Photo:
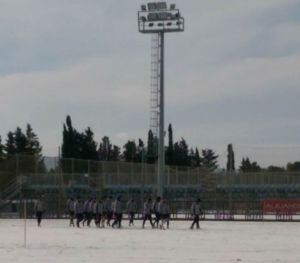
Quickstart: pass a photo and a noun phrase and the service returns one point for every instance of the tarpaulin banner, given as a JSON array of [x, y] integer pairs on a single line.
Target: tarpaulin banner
[[279, 206]]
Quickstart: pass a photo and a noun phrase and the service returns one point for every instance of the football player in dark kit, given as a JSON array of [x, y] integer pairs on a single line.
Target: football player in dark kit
[[108, 208], [155, 210], [164, 211], [131, 209], [147, 212], [79, 212], [98, 212], [71, 210], [168, 215], [104, 212], [90, 212], [196, 211], [117, 212], [86, 212], [39, 210]]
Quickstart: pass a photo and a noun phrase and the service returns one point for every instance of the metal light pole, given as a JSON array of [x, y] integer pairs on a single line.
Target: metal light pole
[[143, 175], [158, 18], [161, 140]]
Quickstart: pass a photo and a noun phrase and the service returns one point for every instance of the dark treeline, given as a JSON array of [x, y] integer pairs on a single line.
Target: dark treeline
[[83, 145], [19, 142], [249, 166]]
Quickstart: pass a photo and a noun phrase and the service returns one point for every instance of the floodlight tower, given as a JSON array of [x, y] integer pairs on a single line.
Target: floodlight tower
[[157, 19]]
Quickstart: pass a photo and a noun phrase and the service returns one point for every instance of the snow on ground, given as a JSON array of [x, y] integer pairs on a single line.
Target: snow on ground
[[215, 242]]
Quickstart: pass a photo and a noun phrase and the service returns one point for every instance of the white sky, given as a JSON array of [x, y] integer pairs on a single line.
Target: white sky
[[231, 77]]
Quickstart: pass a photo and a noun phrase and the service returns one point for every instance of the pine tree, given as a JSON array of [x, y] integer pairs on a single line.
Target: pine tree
[[10, 146], [248, 166], [130, 152], [181, 153], [245, 165], [293, 167], [115, 154], [2, 156], [192, 158], [210, 159], [195, 159], [88, 146], [198, 159], [105, 149], [275, 169], [71, 140], [20, 141], [33, 146]]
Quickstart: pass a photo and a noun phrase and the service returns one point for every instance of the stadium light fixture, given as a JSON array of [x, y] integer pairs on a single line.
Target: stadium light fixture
[[152, 16], [160, 13], [152, 6], [161, 6], [163, 16]]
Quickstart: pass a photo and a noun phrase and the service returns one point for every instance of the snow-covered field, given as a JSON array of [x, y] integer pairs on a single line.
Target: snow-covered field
[[215, 242]]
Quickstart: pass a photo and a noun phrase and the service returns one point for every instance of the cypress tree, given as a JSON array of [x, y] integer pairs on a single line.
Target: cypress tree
[[230, 159], [151, 148], [170, 148], [141, 151]]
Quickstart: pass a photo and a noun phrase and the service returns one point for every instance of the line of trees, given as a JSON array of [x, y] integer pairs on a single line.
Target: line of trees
[[19, 142], [249, 166], [82, 145]]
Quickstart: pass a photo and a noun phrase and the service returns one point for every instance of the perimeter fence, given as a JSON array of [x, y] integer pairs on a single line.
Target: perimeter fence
[[223, 194]]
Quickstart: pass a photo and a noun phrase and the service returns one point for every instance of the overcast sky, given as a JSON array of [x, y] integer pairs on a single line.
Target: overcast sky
[[232, 77]]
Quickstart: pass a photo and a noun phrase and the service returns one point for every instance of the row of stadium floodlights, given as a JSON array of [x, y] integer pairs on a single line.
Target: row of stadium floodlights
[[159, 12]]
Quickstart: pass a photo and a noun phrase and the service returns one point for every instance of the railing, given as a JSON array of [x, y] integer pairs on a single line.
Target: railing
[[11, 190], [134, 173]]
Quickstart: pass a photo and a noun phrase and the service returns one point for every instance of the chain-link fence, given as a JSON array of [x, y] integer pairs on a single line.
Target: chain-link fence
[[29, 177]]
